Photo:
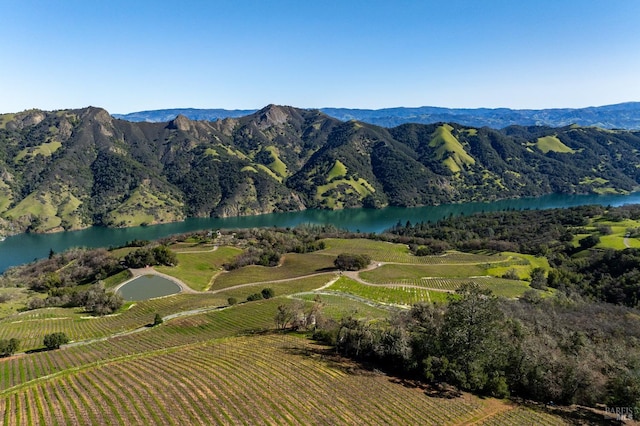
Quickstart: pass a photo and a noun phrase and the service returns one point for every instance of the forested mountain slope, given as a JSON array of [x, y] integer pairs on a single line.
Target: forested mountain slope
[[76, 168]]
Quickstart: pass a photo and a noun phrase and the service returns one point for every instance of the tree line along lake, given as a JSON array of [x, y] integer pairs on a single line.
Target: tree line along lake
[[23, 248]]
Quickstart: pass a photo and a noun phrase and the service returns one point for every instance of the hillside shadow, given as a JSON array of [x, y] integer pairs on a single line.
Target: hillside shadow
[[328, 356], [326, 269]]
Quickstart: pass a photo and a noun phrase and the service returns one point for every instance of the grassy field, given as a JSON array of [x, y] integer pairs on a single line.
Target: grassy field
[[293, 265], [616, 238], [46, 150], [337, 171], [552, 143], [15, 299], [277, 165], [385, 273], [522, 264], [116, 279], [198, 266]]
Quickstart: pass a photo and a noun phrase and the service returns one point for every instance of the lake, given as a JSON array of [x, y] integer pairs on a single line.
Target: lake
[[147, 287], [19, 249]]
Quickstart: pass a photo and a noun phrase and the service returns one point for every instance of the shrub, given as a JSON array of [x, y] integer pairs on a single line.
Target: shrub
[[254, 296], [232, 301], [511, 274], [36, 303]]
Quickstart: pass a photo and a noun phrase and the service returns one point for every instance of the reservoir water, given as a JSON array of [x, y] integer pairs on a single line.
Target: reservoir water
[[19, 249], [147, 287]]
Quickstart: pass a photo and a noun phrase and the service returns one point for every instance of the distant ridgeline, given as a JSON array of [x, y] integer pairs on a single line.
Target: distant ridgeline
[[618, 116], [71, 169]]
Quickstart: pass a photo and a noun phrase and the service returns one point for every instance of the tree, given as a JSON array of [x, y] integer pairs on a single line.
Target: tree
[[538, 279], [9, 347], [471, 338], [267, 293], [512, 274], [351, 262], [589, 241], [283, 317], [157, 320], [55, 340], [163, 256], [232, 301]]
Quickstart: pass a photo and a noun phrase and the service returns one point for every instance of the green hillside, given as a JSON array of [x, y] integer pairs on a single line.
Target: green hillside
[[552, 143], [71, 169], [449, 150]]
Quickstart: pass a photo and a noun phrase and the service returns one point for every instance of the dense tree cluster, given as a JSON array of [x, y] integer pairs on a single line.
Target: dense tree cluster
[[151, 256], [95, 299], [71, 268], [266, 246], [603, 275], [558, 349], [527, 231], [609, 275]]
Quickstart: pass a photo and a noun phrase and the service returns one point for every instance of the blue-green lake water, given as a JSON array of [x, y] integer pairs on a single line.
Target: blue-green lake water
[[147, 287], [19, 249]]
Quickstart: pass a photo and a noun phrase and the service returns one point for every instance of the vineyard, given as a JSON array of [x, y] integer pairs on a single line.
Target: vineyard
[[31, 326], [400, 295], [211, 363], [499, 286], [399, 253], [261, 379], [293, 265], [337, 305]]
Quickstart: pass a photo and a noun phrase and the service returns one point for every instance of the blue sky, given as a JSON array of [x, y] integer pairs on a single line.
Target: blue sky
[[137, 55]]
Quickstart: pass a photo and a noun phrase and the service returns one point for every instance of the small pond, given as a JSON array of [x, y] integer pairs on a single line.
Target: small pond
[[147, 287]]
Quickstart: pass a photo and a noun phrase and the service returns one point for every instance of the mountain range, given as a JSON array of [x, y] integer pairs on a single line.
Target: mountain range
[[69, 169], [619, 116]]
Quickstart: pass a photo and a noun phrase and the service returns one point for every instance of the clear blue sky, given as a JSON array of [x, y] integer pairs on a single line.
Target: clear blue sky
[[140, 54]]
